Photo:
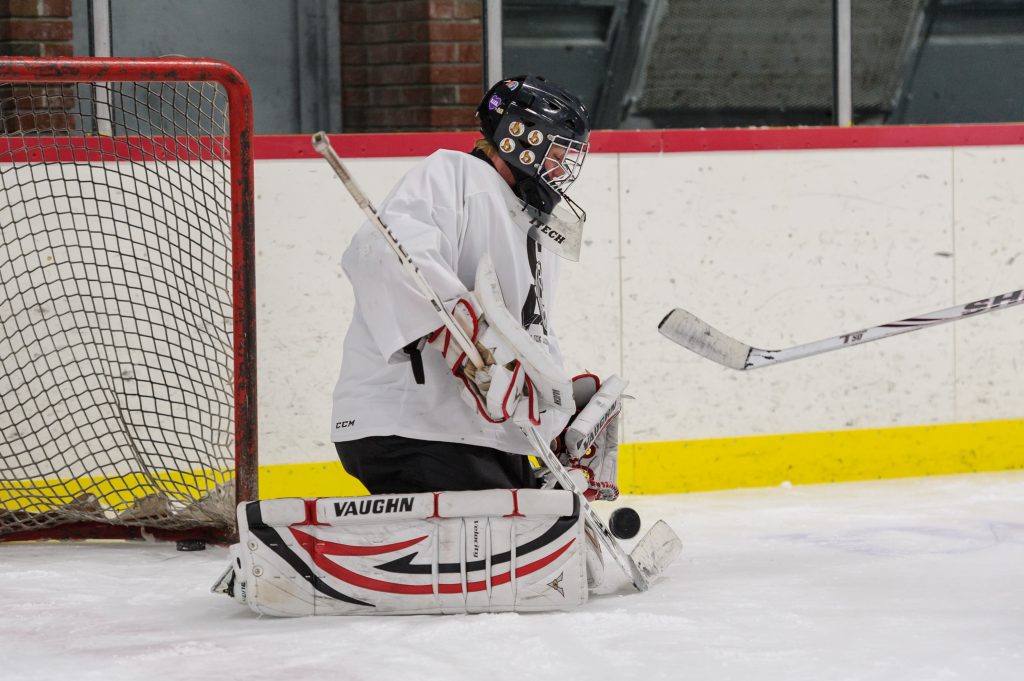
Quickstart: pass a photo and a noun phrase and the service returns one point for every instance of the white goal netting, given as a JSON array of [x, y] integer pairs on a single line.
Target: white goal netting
[[117, 377]]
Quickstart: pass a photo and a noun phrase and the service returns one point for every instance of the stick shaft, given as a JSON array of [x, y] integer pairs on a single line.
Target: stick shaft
[[949, 314], [593, 520], [692, 333], [323, 146]]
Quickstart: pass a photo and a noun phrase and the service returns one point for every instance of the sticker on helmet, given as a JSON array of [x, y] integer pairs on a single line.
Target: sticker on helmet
[[494, 102], [516, 128], [526, 158], [511, 84], [535, 137], [507, 145]]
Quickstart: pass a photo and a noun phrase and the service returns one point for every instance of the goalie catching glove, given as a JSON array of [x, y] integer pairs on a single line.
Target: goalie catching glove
[[589, 445], [518, 373]]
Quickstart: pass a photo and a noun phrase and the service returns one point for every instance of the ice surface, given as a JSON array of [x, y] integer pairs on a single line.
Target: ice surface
[[897, 580]]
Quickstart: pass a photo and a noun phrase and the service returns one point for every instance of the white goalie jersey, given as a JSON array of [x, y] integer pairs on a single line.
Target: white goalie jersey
[[448, 212]]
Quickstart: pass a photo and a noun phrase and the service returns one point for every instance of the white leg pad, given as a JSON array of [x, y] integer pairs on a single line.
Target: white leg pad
[[442, 552]]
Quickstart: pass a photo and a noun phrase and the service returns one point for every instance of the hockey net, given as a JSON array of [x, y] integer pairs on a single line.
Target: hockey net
[[127, 338]]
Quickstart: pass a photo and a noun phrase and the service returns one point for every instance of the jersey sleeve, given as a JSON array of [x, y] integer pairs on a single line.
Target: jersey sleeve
[[426, 223]]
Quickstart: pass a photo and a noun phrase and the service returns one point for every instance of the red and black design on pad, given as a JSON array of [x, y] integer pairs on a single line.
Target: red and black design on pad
[[365, 582], [269, 536], [405, 565], [319, 552]]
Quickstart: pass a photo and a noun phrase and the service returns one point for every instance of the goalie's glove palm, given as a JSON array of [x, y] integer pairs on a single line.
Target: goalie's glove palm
[[495, 390]]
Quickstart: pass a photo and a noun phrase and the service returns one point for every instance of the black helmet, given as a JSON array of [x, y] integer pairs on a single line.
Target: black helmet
[[540, 130]]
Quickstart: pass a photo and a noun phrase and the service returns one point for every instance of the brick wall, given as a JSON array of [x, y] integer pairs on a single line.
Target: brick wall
[[411, 65], [35, 28]]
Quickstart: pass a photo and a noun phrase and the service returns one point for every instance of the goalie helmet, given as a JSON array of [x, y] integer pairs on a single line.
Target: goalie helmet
[[540, 130]]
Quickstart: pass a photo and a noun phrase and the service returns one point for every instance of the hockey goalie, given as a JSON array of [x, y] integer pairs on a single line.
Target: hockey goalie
[[459, 519]]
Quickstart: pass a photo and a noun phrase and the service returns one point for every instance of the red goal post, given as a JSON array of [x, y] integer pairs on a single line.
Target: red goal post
[[127, 298]]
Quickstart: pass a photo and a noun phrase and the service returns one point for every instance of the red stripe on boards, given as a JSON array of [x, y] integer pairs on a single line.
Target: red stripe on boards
[[396, 145]]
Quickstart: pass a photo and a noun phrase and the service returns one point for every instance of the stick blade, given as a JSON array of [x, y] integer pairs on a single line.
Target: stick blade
[[694, 334], [658, 549]]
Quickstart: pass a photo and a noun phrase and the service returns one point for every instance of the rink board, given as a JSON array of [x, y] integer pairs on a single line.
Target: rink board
[[777, 237], [758, 461]]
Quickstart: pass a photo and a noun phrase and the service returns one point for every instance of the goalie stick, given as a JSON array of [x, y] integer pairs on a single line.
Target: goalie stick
[[694, 334], [660, 546]]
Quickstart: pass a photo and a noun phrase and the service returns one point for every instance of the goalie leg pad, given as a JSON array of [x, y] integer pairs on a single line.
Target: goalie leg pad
[[433, 553]]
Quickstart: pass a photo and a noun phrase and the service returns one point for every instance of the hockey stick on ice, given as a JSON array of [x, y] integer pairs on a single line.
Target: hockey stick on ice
[[660, 546], [694, 334]]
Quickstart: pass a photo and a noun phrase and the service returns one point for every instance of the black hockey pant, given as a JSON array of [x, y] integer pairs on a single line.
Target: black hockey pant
[[391, 464]]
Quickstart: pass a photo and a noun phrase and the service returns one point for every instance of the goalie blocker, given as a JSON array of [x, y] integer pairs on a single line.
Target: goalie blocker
[[433, 553]]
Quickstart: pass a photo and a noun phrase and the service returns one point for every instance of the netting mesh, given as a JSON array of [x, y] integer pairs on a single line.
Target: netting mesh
[[116, 361]]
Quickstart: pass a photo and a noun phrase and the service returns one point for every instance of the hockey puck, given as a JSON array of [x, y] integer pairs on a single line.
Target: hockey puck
[[191, 545], [624, 522]]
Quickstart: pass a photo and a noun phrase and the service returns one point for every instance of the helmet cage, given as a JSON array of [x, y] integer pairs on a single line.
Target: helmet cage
[[562, 163]]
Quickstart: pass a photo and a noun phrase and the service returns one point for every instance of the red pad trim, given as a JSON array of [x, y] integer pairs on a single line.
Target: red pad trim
[[311, 519], [481, 408], [515, 506], [308, 541], [531, 392], [364, 582], [472, 315], [511, 388]]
